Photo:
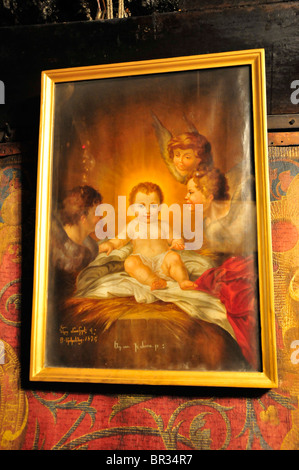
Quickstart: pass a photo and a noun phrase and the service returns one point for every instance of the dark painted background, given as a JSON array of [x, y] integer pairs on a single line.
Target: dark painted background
[[38, 35]]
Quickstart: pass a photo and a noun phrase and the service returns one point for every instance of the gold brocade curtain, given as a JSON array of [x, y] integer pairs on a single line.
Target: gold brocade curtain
[[283, 154]]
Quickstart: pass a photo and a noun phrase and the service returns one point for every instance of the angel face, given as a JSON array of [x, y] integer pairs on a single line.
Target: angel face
[[196, 196], [185, 160]]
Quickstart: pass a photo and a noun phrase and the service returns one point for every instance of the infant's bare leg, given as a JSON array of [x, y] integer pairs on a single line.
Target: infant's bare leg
[[174, 267], [142, 273]]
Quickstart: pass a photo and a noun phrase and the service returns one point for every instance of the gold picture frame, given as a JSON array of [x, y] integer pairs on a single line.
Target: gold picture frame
[[101, 126]]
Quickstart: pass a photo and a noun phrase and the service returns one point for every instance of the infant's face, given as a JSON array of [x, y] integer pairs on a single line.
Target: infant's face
[[147, 206], [185, 160]]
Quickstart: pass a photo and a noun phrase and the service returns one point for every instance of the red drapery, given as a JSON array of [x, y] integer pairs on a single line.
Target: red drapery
[[234, 284]]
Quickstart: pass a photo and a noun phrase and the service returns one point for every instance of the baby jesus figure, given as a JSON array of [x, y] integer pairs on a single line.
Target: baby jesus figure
[[154, 260]]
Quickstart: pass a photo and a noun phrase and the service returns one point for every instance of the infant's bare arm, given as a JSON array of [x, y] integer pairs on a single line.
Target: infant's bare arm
[[113, 244], [177, 244]]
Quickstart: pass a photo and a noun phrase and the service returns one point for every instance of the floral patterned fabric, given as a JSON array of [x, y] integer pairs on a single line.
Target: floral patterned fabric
[[110, 418]]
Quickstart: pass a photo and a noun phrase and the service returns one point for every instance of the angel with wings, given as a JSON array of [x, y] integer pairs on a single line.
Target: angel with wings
[[183, 153], [229, 220]]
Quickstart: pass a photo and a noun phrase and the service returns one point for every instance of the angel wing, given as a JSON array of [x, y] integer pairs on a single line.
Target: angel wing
[[191, 126], [235, 232]]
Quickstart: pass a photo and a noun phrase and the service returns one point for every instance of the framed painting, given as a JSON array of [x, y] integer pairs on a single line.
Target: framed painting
[[153, 249]]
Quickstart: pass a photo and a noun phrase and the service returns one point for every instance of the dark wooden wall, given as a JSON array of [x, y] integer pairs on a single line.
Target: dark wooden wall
[[193, 27]]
